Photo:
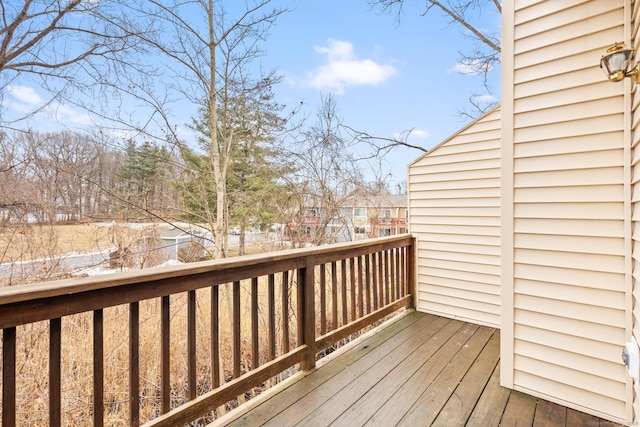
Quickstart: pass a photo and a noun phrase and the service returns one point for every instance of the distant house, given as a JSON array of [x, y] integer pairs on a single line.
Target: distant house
[[527, 219], [380, 215], [383, 215]]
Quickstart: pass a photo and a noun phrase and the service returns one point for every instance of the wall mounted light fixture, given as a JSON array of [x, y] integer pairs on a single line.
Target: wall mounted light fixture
[[615, 64]]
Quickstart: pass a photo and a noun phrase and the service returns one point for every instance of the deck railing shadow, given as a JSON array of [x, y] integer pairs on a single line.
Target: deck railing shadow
[[193, 337]]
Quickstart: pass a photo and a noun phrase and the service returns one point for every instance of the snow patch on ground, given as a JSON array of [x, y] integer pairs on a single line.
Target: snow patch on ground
[[101, 270]]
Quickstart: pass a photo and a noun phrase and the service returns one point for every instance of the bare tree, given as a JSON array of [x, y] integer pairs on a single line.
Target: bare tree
[[323, 178], [105, 181], [463, 13], [58, 44], [16, 190], [69, 159], [380, 145], [209, 55]]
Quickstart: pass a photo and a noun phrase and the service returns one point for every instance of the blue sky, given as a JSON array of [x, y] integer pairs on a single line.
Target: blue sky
[[386, 77]]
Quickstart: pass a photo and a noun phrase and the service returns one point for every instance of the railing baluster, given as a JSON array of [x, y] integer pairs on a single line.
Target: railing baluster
[[367, 281], [215, 336], [389, 274], [285, 312], [334, 295], [165, 354], [374, 280], [343, 273], [98, 368], [387, 280], [272, 316], [254, 323], [307, 312], [323, 300], [236, 329], [55, 359], [134, 364], [361, 287], [381, 279], [300, 306], [398, 268], [9, 377], [352, 274], [191, 345], [403, 276]]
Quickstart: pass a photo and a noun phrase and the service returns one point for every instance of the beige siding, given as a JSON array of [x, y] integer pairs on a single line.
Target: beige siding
[[565, 244], [635, 200], [454, 201]]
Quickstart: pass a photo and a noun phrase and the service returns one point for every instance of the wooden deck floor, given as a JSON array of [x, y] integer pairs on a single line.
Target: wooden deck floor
[[421, 370]]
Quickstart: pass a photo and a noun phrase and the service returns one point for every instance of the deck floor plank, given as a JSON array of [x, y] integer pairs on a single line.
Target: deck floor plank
[[420, 370], [425, 410], [292, 395], [460, 405], [342, 394], [491, 404], [519, 411], [398, 386], [400, 399], [549, 414], [577, 418]]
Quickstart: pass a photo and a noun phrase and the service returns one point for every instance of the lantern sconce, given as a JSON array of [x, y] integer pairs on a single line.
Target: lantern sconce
[[615, 64]]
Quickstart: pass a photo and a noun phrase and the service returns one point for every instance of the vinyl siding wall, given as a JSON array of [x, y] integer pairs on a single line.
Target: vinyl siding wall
[[454, 202], [566, 215], [635, 200]]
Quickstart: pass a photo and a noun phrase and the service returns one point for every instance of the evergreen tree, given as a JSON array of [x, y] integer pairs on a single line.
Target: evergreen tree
[[253, 189], [143, 174], [248, 123]]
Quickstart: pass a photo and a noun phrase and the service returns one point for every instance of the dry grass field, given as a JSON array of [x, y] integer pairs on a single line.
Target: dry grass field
[[49, 243], [31, 241]]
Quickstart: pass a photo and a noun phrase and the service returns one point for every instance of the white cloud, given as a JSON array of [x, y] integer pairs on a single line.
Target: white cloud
[[25, 94], [66, 115], [26, 101], [470, 68], [485, 99], [411, 134], [418, 133], [344, 69]]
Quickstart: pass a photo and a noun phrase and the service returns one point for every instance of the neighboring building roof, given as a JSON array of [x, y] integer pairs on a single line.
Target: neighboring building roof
[[396, 201], [382, 201], [375, 201]]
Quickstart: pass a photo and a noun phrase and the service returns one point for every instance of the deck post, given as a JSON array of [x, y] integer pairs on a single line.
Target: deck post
[[411, 274], [308, 314]]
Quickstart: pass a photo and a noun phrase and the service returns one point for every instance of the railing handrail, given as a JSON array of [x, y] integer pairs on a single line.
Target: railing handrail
[[236, 268], [328, 253]]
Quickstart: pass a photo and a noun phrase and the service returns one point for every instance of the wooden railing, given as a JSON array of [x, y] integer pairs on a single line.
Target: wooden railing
[[193, 337]]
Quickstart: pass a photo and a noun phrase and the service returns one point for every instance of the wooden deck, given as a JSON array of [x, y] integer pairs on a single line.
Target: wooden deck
[[421, 370]]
